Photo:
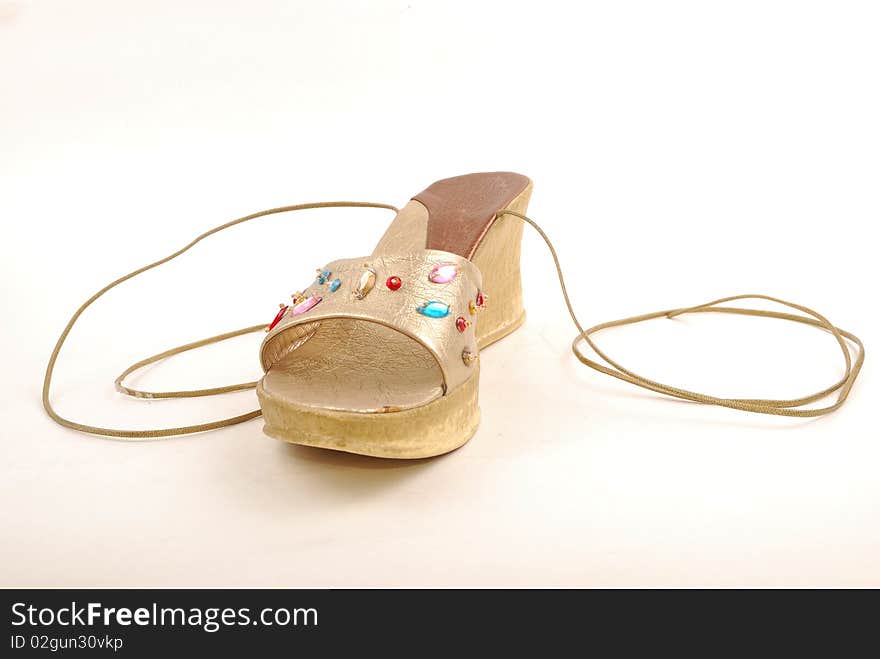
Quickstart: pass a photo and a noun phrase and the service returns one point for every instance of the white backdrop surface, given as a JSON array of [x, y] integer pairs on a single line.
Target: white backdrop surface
[[680, 151]]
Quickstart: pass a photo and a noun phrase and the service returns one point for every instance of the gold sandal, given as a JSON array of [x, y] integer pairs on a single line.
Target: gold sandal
[[379, 355]]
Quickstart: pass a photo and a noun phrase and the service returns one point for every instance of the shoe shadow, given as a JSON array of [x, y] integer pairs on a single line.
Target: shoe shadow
[[334, 475], [328, 457]]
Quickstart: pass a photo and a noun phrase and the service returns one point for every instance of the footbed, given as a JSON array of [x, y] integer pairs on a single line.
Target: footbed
[[357, 365]]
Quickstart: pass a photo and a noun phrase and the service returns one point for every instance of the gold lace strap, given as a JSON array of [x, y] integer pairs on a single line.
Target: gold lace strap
[[758, 405], [610, 367], [183, 430]]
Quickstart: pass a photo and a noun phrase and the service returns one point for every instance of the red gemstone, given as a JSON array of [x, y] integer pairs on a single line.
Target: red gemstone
[[480, 299], [461, 324], [393, 283], [278, 317]]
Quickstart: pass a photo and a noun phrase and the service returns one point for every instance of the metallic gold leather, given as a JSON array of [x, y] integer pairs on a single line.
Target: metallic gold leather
[[497, 257], [407, 233], [364, 331]]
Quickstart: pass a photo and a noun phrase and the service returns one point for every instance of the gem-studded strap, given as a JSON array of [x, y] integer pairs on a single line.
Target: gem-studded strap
[[430, 296]]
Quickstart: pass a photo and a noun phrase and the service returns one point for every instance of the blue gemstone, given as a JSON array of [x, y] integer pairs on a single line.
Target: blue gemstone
[[334, 285], [323, 276], [434, 309]]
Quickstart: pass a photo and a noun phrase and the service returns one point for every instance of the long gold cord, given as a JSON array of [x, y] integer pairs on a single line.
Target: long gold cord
[[758, 405], [199, 427], [783, 407]]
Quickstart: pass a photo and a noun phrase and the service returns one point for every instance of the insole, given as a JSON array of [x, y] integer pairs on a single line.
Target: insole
[[359, 366]]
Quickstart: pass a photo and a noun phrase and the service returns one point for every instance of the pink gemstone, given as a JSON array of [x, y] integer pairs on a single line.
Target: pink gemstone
[[305, 305], [443, 273]]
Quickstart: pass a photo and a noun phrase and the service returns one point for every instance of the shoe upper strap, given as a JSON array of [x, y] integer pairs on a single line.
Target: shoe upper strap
[[431, 296]]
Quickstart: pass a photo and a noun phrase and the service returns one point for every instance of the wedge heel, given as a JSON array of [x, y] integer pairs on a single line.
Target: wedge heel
[[498, 258]]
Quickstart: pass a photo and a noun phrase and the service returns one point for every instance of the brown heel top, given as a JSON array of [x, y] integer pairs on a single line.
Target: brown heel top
[[462, 208]]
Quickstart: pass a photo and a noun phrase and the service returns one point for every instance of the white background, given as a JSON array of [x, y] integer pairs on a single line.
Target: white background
[[681, 151]]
